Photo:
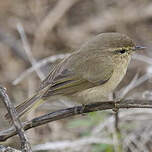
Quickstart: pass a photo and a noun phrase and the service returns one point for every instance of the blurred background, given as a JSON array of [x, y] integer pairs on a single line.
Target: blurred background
[[36, 34]]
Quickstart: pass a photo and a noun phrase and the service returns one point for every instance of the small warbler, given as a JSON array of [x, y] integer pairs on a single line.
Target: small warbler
[[88, 74]]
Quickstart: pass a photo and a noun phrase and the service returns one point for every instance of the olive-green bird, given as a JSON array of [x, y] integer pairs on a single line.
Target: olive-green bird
[[87, 75]]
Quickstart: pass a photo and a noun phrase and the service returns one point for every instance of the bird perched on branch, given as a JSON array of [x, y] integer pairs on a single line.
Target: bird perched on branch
[[88, 74]]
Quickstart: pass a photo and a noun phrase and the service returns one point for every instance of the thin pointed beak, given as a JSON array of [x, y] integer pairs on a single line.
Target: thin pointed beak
[[139, 48]]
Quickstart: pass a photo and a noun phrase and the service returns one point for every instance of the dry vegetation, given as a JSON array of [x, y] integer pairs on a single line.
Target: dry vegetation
[[36, 34]]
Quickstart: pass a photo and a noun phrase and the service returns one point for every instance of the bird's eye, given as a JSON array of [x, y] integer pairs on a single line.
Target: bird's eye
[[122, 51]]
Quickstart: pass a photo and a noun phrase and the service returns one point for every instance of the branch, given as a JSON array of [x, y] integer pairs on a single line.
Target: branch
[[13, 43], [65, 113], [52, 19], [8, 149], [37, 65], [27, 49], [25, 146]]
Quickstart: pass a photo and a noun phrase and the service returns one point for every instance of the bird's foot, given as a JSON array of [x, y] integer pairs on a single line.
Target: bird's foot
[[79, 110], [82, 110], [115, 109]]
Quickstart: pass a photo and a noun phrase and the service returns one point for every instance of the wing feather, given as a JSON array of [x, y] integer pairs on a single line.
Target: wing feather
[[72, 76]]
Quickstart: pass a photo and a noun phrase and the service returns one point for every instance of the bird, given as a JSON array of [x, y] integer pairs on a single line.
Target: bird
[[89, 74]]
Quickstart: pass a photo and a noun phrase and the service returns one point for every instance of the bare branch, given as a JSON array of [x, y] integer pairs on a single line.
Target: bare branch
[[8, 149], [27, 49], [10, 40], [61, 145], [52, 19], [25, 146], [65, 113], [39, 64]]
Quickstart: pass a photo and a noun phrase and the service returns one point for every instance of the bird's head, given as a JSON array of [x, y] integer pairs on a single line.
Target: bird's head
[[117, 46]]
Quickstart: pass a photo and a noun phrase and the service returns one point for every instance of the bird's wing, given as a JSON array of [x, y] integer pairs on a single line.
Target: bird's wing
[[75, 74]]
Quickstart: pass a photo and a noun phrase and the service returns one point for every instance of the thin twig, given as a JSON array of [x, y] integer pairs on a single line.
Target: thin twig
[[39, 64], [27, 49], [52, 19], [16, 47], [142, 58], [61, 145], [116, 134], [124, 90], [136, 82], [25, 146], [125, 116], [8, 149], [116, 115]]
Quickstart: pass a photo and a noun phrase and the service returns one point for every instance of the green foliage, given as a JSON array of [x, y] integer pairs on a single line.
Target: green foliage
[[86, 123], [102, 148], [90, 120]]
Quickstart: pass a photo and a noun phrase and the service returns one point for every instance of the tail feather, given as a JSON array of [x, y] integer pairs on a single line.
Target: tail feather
[[28, 104]]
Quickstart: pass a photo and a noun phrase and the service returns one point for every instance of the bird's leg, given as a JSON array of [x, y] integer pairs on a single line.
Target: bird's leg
[[78, 110], [82, 110], [115, 109]]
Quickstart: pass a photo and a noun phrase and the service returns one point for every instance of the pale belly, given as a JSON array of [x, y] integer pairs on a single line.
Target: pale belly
[[101, 93]]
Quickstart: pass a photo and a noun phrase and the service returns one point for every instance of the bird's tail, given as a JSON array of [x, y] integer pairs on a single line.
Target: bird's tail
[[28, 104]]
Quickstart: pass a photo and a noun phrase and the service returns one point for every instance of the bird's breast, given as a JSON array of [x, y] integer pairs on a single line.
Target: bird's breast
[[101, 93]]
